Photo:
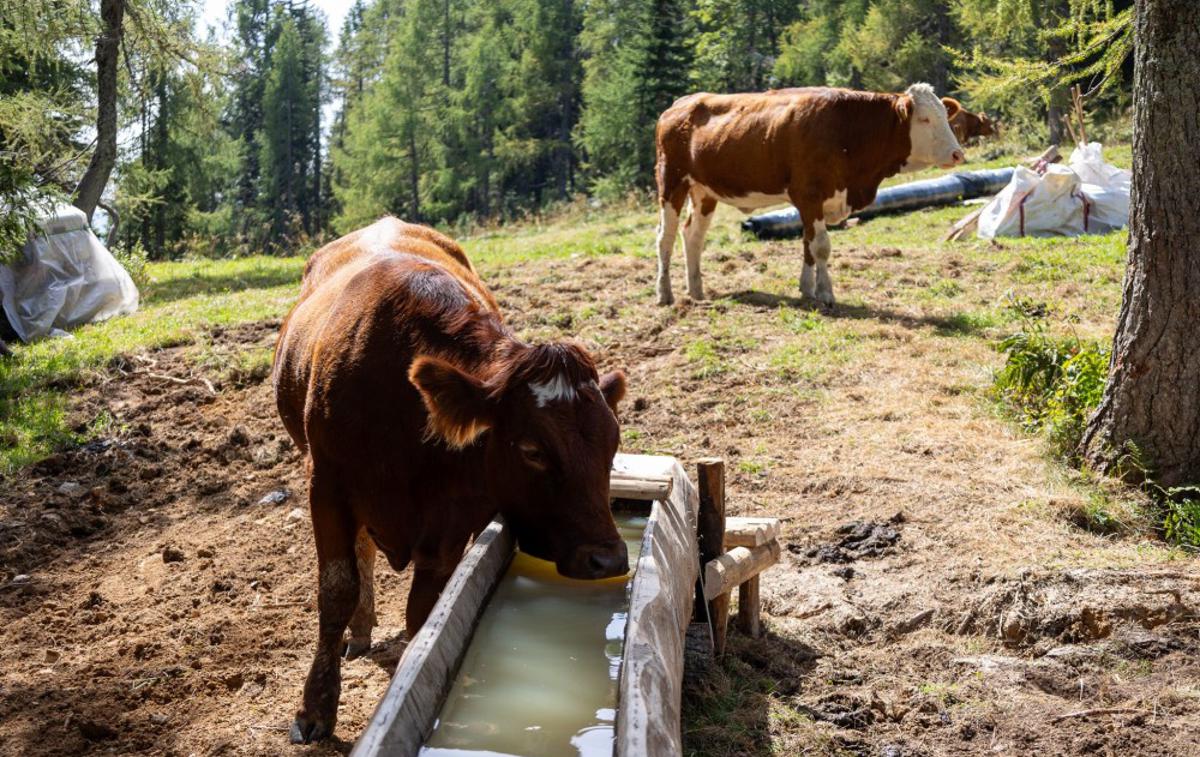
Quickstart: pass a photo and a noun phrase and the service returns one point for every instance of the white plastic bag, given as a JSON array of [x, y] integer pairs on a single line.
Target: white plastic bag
[[64, 278], [1086, 196]]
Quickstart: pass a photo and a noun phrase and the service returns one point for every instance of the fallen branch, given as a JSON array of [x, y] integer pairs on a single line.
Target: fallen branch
[[182, 381], [1100, 711]]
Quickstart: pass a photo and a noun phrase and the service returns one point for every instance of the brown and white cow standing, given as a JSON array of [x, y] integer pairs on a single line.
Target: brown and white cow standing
[[421, 416], [823, 150]]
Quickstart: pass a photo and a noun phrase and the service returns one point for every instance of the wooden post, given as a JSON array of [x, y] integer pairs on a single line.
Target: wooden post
[[748, 604], [710, 481]]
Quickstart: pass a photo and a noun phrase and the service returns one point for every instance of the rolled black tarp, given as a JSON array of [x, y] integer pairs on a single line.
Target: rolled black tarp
[[943, 190]]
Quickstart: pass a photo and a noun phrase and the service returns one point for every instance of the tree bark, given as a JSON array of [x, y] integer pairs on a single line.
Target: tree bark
[[1152, 399], [108, 50]]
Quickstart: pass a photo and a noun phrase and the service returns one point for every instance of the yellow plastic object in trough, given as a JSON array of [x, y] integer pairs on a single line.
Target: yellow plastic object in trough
[[540, 675]]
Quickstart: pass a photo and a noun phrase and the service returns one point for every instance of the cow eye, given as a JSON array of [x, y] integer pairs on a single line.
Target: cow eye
[[533, 455]]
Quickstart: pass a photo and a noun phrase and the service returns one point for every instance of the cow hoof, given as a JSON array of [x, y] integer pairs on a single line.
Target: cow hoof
[[306, 730], [666, 298], [697, 296], [808, 287], [826, 298], [356, 647]]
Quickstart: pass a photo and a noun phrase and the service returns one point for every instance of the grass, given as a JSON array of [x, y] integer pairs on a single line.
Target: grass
[[181, 302], [184, 300]]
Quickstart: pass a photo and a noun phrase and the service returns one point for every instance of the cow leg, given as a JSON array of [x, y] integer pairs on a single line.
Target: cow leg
[[427, 584], [668, 227], [808, 273], [337, 596], [694, 232], [821, 248], [358, 640]]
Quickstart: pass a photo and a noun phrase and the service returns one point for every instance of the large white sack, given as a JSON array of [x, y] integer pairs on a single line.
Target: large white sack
[[65, 277], [1086, 196]]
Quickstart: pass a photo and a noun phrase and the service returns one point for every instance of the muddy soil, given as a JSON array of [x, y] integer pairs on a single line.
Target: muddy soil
[[157, 585]]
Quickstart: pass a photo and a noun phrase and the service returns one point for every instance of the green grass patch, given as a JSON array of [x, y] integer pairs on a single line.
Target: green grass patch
[[704, 357], [182, 301]]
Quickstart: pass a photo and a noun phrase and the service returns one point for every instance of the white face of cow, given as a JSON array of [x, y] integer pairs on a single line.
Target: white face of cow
[[933, 143]]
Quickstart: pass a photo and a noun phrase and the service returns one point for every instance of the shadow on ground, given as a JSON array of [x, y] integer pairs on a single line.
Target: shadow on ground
[[951, 325], [207, 283]]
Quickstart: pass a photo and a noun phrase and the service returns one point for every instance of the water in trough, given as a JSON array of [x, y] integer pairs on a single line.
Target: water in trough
[[539, 678]]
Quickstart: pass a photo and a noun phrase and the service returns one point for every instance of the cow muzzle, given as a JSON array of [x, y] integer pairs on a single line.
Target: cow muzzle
[[957, 158], [595, 561]]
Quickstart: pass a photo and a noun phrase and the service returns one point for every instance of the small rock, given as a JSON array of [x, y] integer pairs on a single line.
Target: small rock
[[917, 621], [277, 497], [640, 404], [296, 514], [204, 552], [21, 578], [72, 489], [238, 437], [159, 719], [172, 554], [845, 572], [265, 455]]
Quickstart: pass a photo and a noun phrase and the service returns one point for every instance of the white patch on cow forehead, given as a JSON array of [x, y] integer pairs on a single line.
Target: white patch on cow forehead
[[557, 389], [923, 94]]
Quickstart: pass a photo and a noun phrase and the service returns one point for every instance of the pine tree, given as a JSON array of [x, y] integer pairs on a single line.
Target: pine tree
[[285, 108], [388, 147], [738, 42], [251, 55], [638, 66]]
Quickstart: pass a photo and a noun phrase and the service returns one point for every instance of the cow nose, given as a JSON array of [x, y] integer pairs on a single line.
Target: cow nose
[[957, 157], [609, 563]]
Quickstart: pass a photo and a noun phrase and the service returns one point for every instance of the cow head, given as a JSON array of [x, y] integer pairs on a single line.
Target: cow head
[[933, 142], [551, 436]]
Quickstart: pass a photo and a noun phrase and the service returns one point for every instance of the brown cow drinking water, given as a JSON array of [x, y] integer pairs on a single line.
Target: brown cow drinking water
[[421, 416]]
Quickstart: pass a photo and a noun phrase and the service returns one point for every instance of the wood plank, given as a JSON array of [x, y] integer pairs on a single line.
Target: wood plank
[[749, 608], [750, 532], [710, 533], [737, 566], [404, 717], [639, 488], [660, 607], [643, 466]]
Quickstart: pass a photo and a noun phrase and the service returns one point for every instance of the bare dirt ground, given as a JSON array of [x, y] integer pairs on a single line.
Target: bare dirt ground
[[933, 598]]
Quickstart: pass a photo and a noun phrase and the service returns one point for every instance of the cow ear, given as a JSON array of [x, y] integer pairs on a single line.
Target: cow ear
[[952, 106], [904, 107], [612, 386], [458, 403]]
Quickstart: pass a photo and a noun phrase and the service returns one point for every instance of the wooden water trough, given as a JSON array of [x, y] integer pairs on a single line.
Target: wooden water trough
[[682, 560]]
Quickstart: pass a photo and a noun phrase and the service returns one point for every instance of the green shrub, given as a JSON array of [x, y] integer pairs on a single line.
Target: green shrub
[[1181, 515], [134, 259], [1052, 384]]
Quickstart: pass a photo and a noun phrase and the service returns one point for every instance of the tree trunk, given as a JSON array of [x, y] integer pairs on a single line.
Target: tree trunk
[[108, 50], [1152, 399]]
